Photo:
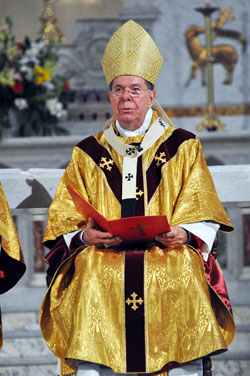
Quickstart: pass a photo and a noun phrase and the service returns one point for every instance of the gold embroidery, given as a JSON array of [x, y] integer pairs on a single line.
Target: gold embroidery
[[134, 301], [128, 44], [104, 163], [10, 240], [138, 193], [160, 159]]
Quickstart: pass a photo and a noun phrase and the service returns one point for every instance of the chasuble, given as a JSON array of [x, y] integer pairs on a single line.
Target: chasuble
[[138, 308], [12, 265]]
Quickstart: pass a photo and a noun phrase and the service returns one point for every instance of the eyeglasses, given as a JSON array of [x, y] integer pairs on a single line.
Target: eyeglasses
[[135, 92]]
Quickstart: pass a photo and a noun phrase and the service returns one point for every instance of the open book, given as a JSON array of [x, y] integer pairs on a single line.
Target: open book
[[130, 229]]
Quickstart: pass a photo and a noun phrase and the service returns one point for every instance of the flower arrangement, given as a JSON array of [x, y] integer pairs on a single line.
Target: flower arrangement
[[31, 92]]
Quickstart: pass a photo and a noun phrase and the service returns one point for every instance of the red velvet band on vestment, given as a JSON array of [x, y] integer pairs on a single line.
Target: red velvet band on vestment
[[169, 149], [140, 210], [58, 253], [11, 270], [96, 151], [135, 325], [216, 280]]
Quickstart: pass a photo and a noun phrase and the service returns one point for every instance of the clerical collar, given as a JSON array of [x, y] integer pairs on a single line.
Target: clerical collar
[[143, 128]]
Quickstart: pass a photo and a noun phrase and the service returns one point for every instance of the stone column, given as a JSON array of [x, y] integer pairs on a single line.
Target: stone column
[[235, 243]]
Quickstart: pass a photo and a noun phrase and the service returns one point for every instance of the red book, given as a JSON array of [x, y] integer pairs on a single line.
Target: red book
[[130, 229]]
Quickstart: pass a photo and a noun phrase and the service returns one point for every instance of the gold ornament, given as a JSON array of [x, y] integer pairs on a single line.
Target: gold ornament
[[50, 29], [131, 51]]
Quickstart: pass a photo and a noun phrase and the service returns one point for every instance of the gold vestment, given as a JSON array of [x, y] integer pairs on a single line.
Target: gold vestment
[[84, 313], [12, 265]]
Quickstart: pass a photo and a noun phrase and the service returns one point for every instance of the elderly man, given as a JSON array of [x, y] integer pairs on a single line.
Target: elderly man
[[12, 266], [153, 307]]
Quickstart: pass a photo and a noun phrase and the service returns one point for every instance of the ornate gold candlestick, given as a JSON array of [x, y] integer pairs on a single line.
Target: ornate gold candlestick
[[211, 121], [50, 29]]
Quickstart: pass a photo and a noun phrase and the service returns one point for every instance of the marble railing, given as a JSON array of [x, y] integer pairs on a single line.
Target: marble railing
[[30, 192]]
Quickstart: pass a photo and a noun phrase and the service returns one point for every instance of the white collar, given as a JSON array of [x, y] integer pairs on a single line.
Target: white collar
[[126, 133]]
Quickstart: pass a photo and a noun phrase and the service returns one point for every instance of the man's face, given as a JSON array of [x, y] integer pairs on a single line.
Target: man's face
[[131, 111]]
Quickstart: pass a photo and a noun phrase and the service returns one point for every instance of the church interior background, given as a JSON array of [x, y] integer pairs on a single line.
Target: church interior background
[[82, 29]]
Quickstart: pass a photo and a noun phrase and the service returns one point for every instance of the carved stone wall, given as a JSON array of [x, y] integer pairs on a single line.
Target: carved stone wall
[[82, 60]]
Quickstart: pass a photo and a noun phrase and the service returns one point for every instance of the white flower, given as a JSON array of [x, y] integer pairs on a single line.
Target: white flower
[[56, 108], [28, 72], [36, 47], [48, 85], [32, 53], [30, 58], [21, 103]]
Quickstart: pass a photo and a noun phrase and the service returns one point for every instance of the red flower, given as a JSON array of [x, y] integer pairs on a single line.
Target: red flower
[[66, 86], [19, 46], [18, 87]]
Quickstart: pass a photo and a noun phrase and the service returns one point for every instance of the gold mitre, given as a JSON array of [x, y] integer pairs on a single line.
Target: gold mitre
[[131, 51]]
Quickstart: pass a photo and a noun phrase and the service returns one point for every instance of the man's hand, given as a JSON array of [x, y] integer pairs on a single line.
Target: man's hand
[[174, 238], [93, 236]]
